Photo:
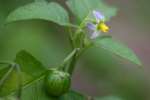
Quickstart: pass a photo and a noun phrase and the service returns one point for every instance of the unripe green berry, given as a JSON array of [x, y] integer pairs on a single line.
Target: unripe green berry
[[57, 82]]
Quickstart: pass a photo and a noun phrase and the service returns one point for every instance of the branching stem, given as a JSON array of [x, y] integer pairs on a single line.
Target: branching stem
[[67, 59]]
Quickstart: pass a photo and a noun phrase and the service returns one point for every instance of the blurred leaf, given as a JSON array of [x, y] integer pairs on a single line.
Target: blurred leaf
[[31, 69], [109, 98], [118, 49], [40, 37], [10, 82], [40, 10], [8, 98], [35, 91], [29, 64], [81, 8]]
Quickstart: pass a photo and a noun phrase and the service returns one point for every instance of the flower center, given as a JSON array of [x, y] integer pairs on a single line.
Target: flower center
[[102, 27]]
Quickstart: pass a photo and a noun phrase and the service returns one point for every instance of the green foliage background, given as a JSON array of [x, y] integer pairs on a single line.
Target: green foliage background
[[102, 74]]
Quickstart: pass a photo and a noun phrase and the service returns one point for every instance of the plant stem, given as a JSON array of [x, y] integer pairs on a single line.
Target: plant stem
[[71, 38], [19, 82], [72, 65], [84, 20], [70, 55], [73, 41], [6, 75], [66, 60], [76, 57]]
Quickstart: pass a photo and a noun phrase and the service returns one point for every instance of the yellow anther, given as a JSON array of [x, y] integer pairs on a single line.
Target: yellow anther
[[103, 27]]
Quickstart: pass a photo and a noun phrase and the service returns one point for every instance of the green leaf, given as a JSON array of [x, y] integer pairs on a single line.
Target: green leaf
[[81, 8], [40, 10], [10, 82], [31, 69], [108, 98], [29, 64], [35, 91], [118, 49], [8, 98], [72, 95]]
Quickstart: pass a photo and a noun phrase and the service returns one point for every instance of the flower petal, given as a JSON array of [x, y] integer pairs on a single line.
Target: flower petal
[[98, 15], [91, 26], [95, 34]]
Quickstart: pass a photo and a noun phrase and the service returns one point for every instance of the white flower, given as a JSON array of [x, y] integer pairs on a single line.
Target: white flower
[[99, 26]]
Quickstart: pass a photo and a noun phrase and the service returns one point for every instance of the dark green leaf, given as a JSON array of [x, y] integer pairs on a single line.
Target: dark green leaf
[[40, 10], [118, 49], [81, 8], [31, 69]]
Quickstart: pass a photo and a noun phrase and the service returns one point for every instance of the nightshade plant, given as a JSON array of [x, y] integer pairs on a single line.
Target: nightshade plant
[[28, 79]]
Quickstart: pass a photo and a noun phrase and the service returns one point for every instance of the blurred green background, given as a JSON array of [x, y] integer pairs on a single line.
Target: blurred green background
[[99, 73]]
